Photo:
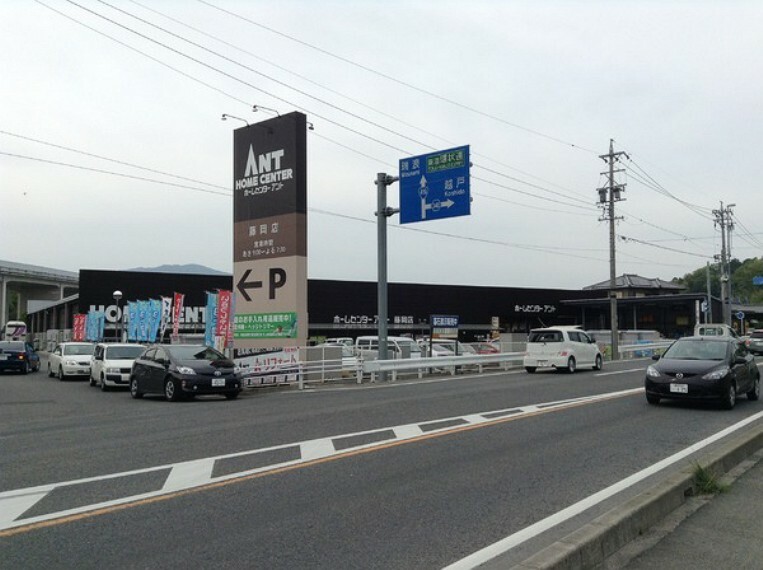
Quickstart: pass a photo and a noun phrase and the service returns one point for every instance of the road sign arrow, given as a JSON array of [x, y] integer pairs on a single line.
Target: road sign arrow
[[447, 203], [243, 285]]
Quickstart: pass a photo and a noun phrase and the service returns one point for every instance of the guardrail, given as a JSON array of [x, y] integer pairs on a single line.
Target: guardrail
[[450, 363], [645, 347]]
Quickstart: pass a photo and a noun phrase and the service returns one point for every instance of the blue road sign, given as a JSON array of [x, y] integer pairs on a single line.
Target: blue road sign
[[740, 315], [435, 186], [757, 280]]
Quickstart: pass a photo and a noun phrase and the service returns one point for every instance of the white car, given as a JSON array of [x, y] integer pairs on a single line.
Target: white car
[[70, 359], [563, 347], [111, 364]]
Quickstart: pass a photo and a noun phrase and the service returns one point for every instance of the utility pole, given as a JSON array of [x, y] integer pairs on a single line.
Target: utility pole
[[608, 195], [723, 220]]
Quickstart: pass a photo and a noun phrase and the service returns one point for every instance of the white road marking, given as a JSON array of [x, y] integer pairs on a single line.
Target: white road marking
[[641, 369], [317, 449], [16, 506], [511, 541], [189, 474]]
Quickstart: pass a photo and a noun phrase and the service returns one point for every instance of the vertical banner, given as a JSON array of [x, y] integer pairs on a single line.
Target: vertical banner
[[78, 328], [132, 321], [166, 312], [223, 318], [177, 309], [143, 321], [270, 233], [154, 318], [211, 319]]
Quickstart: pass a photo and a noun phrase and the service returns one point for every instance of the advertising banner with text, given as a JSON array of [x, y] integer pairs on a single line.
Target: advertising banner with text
[[270, 233]]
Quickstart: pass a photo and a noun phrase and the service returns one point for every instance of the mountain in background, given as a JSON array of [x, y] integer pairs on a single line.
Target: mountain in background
[[192, 268]]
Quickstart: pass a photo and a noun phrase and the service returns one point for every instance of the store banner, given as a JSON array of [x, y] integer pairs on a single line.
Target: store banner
[[78, 329], [132, 322], [143, 310], [211, 316], [177, 309], [223, 313], [166, 312], [154, 318]]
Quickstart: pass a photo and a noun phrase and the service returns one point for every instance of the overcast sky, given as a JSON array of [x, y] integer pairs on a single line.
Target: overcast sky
[[536, 88]]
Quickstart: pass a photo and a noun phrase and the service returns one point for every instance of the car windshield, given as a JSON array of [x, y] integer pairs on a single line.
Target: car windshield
[[195, 352], [123, 352], [11, 345], [696, 350], [78, 349]]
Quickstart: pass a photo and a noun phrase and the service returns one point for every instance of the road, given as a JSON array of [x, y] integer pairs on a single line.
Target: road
[[416, 474]]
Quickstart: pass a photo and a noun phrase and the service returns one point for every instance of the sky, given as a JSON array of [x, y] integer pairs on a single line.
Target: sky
[[114, 155]]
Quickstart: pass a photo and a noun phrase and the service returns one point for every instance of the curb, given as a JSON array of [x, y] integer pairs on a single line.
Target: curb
[[592, 544]]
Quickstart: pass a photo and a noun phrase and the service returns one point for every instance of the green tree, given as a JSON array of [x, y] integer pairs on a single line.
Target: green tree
[[742, 287]]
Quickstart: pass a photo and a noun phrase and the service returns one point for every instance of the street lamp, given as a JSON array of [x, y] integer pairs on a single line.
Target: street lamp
[[118, 297]]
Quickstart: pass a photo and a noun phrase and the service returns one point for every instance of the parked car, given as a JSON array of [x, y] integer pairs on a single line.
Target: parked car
[[70, 359], [564, 348], [485, 348], [755, 342], [345, 340], [703, 368], [111, 364], [367, 347], [183, 371], [19, 356]]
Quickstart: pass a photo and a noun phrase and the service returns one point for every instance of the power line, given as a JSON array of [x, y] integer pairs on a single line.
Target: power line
[[642, 242], [195, 60], [399, 81], [319, 100], [345, 96], [113, 173], [100, 157]]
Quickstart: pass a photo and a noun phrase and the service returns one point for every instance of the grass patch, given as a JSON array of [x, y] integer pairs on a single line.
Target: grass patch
[[706, 483]]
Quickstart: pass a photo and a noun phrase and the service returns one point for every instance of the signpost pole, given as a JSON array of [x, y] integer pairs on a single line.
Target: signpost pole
[[382, 213]]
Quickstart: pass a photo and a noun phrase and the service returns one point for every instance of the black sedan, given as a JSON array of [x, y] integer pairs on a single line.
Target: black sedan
[[183, 371], [19, 356], [703, 368]]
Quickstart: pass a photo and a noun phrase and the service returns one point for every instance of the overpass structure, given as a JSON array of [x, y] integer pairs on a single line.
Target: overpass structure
[[23, 283]]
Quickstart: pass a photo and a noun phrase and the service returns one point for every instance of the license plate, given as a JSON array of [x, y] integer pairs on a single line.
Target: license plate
[[543, 363], [679, 388], [218, 381]]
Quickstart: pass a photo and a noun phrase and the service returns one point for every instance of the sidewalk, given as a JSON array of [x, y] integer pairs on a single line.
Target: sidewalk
[[726, 532]]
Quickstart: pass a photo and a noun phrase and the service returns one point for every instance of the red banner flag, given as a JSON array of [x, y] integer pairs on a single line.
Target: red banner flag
[[223, 313], [177, 308], [78, 328]]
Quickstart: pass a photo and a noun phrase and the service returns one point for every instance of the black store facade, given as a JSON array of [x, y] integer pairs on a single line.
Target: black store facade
[[335, 308]]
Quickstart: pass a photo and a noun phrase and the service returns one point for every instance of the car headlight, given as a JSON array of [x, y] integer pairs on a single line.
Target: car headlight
[[112, 371], [652, 372], [71, 362], [716, 374], [186, 370]]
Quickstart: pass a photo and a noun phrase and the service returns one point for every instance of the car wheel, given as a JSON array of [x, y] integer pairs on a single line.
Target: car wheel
[[530, 369], [50, 372], [231, 395], [171, 390], [134, 392], [754, 393], [654, 400], [92, 380], [730, 397], [104, 388], [598, 363], [25, 368], [61, 373], [571, 365]]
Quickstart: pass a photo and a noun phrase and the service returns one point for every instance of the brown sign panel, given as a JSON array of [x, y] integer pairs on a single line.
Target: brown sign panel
[[270, 233]]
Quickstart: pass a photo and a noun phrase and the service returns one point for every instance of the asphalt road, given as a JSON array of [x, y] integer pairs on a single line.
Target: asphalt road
[[425, 502]]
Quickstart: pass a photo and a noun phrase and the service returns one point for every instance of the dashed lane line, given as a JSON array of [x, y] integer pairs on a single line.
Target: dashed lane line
[[187, 476]]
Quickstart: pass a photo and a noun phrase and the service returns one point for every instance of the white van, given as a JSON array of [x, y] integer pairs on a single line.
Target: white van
[[711, 329], [14, 330], [563, 347], [367, 347], [111, 364]]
